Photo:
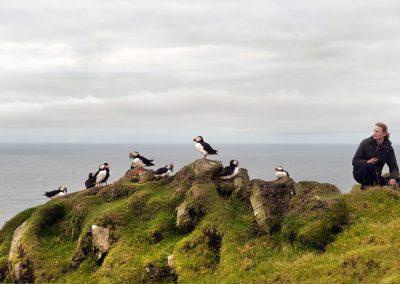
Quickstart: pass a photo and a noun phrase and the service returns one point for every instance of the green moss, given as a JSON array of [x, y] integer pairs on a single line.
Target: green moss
[[8, 229], [329, 239], [46, 216], [321, 229]]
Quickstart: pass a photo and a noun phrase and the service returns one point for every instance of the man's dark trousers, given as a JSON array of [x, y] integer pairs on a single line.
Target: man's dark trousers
[[367, 175]]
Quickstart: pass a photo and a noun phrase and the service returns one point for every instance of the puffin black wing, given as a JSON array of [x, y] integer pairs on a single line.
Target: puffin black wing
[[91, 181], [226, 171], [107, 175], [208, 148], [95, 175], [161, 171], [51, 193], [146, 161]]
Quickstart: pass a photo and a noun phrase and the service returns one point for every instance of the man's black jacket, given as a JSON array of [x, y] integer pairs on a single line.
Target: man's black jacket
[[369, 149]]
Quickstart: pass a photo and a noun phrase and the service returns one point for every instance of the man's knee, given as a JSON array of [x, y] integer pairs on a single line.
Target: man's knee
[[369, 167]]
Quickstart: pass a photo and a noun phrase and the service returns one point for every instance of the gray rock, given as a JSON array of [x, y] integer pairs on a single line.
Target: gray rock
[[83, 249], [240, 182], [19, 265], [205, 170], [270, 201], [313, 188], [200, 171], [193, 208], [101, 242], [171, 261], [184, 222], [152, 271], [257, 204]]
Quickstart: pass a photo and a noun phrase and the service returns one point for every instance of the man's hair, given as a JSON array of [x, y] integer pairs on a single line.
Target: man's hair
[[384, 128]]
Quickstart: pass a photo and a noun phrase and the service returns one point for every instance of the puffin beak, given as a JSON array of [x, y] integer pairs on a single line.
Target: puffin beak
[[194, 139]]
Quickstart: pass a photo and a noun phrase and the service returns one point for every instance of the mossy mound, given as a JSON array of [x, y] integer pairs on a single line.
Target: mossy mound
[[314, 233]]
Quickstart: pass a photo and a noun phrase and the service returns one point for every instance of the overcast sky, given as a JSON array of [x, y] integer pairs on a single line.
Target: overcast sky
[[165, 71]]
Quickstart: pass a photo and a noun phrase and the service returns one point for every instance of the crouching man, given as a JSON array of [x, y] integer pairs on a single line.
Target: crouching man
[[372, 154]]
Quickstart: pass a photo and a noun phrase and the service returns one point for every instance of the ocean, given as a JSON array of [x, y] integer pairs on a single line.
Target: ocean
[[28, 170]]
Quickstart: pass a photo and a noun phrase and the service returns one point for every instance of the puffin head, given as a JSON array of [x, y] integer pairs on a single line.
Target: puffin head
[[133, 155], [234, 163], [63, 189], [91, 175], [170, 166], [103, 166], [198, 139]]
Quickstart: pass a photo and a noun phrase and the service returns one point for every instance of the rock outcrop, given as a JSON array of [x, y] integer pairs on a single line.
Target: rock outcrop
[[19, 265], [205, 170], [171, 262], [83, 249], [194, 207], [184, 222], [198, 183], [94, 242], [156, 273], [270, 201], [212, 218], [310, 213], [192, 182], [200, 171], [241, 182], [101, 242]]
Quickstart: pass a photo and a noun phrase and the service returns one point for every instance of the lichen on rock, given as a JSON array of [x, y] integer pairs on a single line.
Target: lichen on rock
[[270, 201], [101, 241], [19, 264]]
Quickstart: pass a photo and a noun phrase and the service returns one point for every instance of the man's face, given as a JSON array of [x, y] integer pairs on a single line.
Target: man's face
[[378, 133]]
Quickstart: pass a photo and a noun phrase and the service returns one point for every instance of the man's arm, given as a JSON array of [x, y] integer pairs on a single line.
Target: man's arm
[[392, 164], [359, 156]]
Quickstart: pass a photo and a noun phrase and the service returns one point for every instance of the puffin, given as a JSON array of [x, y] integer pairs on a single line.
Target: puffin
[[204, 147], [102, 175], [91, 181], [140, 161], [165, 171], [280, 172], [230, 171], [62, 190]]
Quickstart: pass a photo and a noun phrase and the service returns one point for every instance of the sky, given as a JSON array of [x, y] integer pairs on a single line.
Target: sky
[[165, 71]]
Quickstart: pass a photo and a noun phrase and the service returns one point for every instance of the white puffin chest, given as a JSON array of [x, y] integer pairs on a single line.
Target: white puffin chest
[[280, 174], [101, 176], [61, 193], [138, 162], [200, 148]]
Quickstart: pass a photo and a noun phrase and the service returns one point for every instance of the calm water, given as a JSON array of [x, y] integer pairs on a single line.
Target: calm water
[[29, 170]]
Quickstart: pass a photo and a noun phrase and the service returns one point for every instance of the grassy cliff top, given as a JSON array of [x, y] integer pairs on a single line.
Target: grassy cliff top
[[213, 231]]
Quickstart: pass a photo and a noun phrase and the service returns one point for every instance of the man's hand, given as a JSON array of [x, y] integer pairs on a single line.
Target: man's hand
[[372, 161], [392, 181]]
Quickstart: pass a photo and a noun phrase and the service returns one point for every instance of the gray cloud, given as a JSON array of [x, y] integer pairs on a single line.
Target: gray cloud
[[259, 71]]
